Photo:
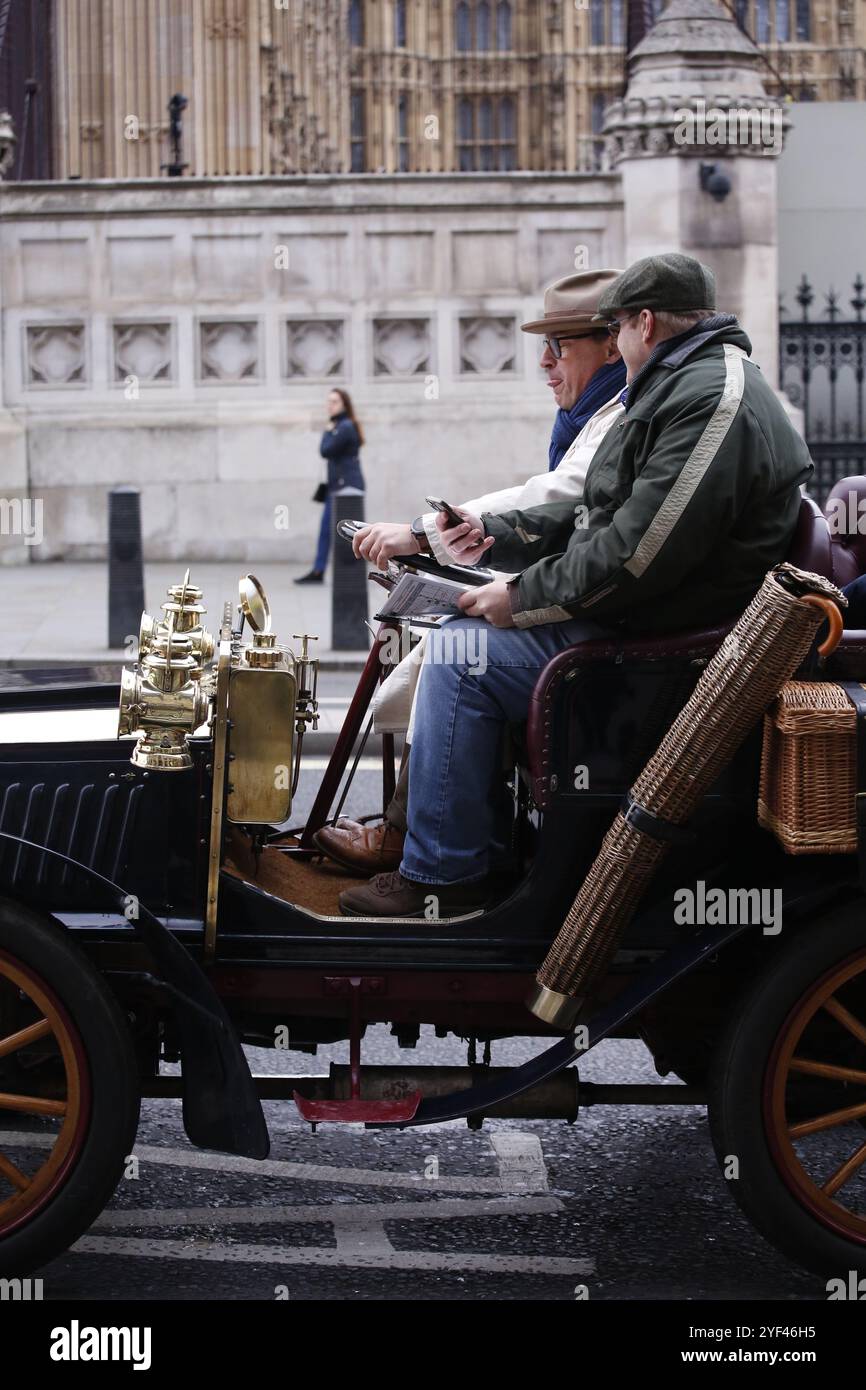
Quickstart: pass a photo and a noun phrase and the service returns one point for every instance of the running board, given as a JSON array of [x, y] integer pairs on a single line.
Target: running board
[[478, 1099]]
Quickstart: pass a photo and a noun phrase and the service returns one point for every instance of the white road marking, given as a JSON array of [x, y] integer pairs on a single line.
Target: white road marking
[[361, 1239], [315, 1255], [337, 1213], [277, 1168], [364, 1240], [521, 1161], [310, 1172]]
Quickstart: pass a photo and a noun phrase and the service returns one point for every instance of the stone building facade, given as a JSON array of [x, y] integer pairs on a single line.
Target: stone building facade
[[182, 336], [327, 86]]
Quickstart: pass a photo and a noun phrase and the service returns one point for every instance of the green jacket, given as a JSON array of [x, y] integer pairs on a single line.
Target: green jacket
[[689, 500]]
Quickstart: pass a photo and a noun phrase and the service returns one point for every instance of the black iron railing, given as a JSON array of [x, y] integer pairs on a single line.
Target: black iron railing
[[821, 370]]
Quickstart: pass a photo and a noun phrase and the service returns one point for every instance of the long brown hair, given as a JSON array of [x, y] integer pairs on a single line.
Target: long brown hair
[[350, 410]]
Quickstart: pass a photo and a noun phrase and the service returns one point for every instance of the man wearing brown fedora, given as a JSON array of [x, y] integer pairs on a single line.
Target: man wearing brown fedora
[[586, 375]]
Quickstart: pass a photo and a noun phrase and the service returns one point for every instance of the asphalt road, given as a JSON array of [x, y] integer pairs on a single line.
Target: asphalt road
[[626, 1204]]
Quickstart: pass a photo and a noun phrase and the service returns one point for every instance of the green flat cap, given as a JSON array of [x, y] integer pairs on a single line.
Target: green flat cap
[[672, 281]]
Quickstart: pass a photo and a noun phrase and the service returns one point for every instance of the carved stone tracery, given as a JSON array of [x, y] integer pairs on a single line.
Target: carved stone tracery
[[314, 348], [229, 350], [401, 347], [487, 344], [55, 354], [143, 350]]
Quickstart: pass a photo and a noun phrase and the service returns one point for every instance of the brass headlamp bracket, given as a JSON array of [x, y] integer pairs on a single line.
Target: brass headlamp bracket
[[257, 697]]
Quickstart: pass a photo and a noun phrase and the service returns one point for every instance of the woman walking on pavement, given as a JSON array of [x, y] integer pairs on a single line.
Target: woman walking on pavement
[[340, 445]]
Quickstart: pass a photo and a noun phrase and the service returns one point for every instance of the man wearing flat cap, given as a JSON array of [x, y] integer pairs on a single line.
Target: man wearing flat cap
[[691, 497], [586, 375]]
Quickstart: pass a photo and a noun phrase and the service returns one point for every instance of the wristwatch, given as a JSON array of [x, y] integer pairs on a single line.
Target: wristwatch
[[418, 531]]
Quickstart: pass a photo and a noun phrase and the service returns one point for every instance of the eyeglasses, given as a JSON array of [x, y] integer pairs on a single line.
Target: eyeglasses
[[554, 342], [616, 324]]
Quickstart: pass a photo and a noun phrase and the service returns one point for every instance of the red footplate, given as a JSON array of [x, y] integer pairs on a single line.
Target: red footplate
[[319, 1112]]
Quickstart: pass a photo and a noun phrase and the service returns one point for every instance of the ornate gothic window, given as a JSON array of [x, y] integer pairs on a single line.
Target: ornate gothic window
[[617, 27], [607, 20], [399, 23], [508, 127], [482, 26], [774, 21], [403, 132], [485, 120], [804, 26], [596, 21], [356, 23], [486, 133], [359, 133], [503, 26]]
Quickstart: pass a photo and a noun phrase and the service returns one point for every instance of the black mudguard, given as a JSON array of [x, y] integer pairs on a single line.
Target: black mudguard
[[221, 1109]]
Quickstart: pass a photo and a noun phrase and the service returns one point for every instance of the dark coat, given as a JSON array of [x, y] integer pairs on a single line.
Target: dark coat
[[688, 501], [340, 445]]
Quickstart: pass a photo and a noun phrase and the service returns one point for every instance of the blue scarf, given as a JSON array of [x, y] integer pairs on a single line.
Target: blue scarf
[[568, 423]]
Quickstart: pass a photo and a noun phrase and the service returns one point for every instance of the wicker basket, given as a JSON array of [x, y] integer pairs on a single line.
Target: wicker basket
[[809, 769]]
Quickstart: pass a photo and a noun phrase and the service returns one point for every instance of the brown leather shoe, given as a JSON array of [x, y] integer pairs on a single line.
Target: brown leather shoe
[[365, 849], [392, 895]]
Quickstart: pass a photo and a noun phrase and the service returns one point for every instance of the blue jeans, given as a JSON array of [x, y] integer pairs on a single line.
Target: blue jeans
[[854, 616], [476, 679], [323, 548]]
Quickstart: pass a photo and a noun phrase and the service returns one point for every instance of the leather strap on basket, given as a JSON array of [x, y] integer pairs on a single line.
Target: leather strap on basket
[[664, 830], [857, 695]]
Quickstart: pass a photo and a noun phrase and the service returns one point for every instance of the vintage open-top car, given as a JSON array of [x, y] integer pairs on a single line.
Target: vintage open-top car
[[155, 907]]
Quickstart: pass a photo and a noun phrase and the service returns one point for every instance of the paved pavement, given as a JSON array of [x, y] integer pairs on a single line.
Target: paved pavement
[[57, 614]]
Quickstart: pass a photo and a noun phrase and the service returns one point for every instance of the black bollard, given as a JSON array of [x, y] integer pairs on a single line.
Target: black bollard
[[349, 594], [125, 565]]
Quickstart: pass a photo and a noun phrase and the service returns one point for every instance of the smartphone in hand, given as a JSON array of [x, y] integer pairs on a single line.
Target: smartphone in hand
[[451, 516]]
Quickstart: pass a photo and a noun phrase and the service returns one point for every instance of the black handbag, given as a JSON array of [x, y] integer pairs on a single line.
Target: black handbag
[[321, 493]]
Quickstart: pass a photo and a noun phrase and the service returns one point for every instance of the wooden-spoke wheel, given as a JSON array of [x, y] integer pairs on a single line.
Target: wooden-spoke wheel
[[787, 1095], [815, 1099], [42, 1043], [69, 1091]]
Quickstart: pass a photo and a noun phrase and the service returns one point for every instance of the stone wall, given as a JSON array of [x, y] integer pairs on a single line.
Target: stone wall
[[182, 336]]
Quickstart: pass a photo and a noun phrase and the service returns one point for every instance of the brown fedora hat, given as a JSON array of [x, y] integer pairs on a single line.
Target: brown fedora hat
[[572, 303]]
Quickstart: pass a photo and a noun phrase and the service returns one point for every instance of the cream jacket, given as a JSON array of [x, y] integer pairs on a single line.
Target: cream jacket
[[394, 704]]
